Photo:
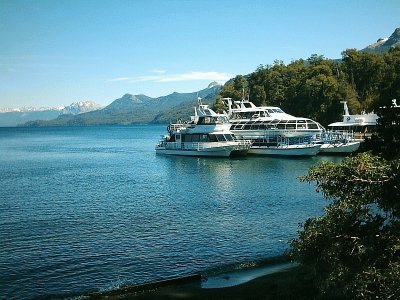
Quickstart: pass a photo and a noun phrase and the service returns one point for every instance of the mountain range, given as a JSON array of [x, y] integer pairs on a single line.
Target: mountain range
[[14, 116], [136, 109]]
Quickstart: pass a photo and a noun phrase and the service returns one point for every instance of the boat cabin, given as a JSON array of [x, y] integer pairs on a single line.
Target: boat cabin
[[201, 137]]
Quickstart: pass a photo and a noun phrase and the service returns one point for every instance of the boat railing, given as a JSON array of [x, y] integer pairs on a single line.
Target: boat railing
[[178, 126], [282, 140], [297, 140], [338, 135]]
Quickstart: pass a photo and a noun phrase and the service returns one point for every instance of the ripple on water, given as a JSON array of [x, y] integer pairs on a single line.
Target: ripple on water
[[94, 208]]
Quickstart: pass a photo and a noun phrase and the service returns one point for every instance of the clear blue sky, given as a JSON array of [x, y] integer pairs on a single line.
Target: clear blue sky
[[55, 52]]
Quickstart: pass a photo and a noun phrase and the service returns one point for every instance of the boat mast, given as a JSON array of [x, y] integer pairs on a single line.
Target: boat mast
[[345, 108]]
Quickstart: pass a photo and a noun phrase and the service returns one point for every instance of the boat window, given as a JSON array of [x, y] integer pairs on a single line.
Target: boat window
[[278, 110], [290, 126], [203, 138], [213, 138], [172, 138], [220, 137], [195, 138], [301, 124], [255, 115], [186, 138], [222, 120], [248, 114], [236, 116], [281, 126], [228, 137], [205, 121], [271, 111], [312, 125]]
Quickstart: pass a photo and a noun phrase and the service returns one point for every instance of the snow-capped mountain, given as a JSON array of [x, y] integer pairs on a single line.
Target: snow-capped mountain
[[384, 44], [80, 107], [13, 116]]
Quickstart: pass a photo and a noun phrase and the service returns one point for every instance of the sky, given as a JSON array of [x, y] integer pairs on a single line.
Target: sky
[[55, 52]]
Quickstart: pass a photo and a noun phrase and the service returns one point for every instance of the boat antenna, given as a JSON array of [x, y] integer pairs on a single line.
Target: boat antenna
[[199, 99]]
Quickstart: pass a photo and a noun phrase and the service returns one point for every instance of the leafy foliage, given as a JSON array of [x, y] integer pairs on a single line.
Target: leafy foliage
[[354, 248], [314, 87]]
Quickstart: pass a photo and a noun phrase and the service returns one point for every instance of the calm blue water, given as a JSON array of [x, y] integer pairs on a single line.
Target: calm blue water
[[93, 208]]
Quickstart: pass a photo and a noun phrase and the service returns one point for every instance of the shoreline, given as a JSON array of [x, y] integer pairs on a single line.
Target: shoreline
[[276, 278], [292, 283]]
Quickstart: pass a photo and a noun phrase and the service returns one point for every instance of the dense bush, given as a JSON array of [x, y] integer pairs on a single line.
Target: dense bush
[[354, 248]]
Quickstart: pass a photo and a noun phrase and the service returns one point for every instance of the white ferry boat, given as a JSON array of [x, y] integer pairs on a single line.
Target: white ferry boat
[[360, 124], [346, 136], [251, 121], [207, 135], [272, 131]]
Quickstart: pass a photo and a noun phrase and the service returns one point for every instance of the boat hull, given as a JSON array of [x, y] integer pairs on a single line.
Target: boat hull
[[208, 152], [224, 149], [286, 150], [339, 148]]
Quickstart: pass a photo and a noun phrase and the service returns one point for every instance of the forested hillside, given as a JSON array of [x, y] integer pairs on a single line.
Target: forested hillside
[[314, 87]]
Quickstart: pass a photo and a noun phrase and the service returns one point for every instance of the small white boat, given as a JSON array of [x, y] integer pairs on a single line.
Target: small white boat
[[339, 147], [207, 135], [286, 150], [338, 142]]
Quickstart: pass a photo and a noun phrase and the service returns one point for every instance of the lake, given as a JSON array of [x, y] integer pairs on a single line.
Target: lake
[[94, 208]]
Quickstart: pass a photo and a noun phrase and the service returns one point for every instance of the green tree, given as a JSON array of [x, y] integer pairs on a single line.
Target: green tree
[[235, 89], [315, 87], [390, 85], [275, 85], [354, 248], [386, 141], [219, 106], [256, 83], [365, 72], [258, 95]]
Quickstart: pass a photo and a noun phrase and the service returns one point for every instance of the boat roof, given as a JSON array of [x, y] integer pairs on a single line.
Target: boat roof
[[345, 124], [204, 110]]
